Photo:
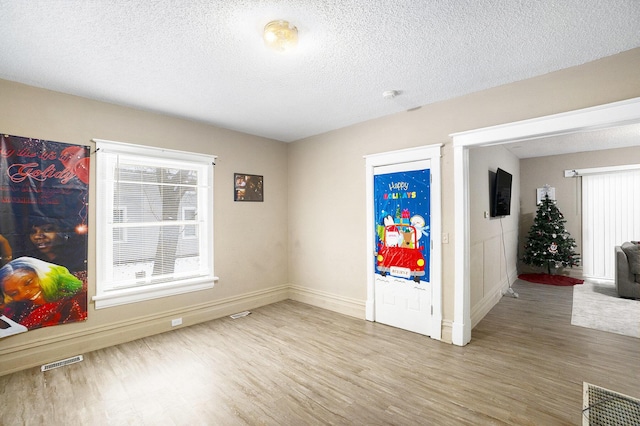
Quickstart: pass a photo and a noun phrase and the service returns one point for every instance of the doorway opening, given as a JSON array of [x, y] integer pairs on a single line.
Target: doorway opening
[[599, 117]]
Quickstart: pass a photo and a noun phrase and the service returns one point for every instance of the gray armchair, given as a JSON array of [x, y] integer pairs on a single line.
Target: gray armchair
[[627, 283]]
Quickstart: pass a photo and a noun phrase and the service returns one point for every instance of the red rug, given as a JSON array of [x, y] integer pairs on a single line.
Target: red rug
[[550, 279]]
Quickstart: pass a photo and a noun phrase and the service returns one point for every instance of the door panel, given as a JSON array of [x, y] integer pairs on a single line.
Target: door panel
[[402, 217], [403, 303]]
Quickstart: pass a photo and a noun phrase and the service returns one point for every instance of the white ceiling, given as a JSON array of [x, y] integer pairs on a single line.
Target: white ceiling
[[205, 60]]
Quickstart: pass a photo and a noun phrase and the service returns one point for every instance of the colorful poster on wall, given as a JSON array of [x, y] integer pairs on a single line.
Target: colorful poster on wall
[[402, 211], [44, 188]]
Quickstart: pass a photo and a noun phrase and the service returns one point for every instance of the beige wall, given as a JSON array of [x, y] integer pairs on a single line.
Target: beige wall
[[537, 172], [250, 238], [327, 235], [307, 240]]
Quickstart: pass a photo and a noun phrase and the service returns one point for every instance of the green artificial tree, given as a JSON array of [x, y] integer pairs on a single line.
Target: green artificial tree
[[549, 244]]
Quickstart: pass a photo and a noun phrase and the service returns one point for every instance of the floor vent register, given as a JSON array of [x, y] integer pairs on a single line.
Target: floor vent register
[[61, 363], [601, 406]]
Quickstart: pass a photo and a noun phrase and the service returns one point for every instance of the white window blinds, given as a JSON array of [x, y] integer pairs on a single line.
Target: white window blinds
[[163, 245]]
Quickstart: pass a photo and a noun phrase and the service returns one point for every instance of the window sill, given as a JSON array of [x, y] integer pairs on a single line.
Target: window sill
[[139, 294]]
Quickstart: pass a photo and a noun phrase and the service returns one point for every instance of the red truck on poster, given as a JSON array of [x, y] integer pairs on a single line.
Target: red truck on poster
[[399, 253]]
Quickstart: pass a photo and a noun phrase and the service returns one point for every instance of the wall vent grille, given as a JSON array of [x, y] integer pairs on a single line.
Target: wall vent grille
[[61, 363]]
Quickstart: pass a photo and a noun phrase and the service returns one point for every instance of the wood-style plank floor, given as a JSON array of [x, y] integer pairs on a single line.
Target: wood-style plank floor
[[294, 364]]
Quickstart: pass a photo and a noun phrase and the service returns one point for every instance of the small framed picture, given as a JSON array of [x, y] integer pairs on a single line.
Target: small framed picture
[[248, 187]]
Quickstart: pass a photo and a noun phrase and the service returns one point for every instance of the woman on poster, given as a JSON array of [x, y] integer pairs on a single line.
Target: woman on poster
[[39, 294], [48, 242]]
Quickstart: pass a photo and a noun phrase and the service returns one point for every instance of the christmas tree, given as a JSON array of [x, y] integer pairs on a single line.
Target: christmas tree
[[549, 244]]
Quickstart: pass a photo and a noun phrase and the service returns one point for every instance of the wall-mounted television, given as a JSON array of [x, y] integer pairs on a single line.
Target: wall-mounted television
[[500, 202]]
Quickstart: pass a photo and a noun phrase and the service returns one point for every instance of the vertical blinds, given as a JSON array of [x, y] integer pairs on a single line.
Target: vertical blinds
[[610, 216]]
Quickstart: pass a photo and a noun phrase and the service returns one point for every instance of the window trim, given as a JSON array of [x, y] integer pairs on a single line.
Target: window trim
[[183, 217], [110, 297], [124, 235]]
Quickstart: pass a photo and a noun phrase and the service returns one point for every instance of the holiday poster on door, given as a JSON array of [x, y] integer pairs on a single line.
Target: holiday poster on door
[[43, 233], [402, 215]]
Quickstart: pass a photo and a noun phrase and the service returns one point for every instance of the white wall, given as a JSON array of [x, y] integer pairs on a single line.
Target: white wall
[[493, 241]]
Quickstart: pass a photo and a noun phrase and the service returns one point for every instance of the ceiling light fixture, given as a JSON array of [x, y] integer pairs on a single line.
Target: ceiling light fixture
[[390, 94], [280, 36]]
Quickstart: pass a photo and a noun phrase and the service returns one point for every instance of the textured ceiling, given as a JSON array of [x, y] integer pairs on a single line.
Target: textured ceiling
[[205, 59], [592, 140]]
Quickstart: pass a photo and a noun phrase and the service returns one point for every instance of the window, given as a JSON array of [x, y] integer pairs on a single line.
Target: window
[[610, 216], [154, 223]]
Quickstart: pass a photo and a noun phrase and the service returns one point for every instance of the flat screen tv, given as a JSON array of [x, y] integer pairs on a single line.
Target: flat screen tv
[[501, 193]]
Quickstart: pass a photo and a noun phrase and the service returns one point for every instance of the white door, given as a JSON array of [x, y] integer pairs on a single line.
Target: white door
[[404, 292]]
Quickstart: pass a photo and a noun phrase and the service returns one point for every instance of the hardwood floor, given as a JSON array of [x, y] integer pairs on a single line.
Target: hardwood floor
[[294, 364]]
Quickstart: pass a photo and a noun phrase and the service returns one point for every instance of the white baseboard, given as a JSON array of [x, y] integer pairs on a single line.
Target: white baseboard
[[343, 305], [490, 300], [486, 304], [356, 308]]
